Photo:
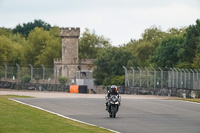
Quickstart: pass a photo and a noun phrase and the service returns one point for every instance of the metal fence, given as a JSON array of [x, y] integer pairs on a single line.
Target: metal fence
[[30, 78], [42, 78], [160, 78]]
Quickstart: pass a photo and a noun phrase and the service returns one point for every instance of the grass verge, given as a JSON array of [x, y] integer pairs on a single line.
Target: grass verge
[[190, 100], [19, 118]]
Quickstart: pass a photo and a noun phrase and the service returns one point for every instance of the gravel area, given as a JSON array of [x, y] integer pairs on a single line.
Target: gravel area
[[47, 94]]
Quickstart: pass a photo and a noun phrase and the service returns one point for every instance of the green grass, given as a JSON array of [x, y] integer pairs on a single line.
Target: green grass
[[190, 100], [19, 118]]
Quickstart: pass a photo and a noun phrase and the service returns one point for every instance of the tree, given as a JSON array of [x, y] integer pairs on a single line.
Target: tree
[[196, 62], [6, 32], [143, 48], [153, 33], [51, 50], [90, 44], [118, 80], [192, 44], [109, 64], [10, 51], [5, 49], [26, 28], [166, 55], [37, 41], [43, 47]]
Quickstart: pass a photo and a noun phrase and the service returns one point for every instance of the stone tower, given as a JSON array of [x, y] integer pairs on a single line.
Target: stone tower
[[69, 52], [70, 64], [70, 45]]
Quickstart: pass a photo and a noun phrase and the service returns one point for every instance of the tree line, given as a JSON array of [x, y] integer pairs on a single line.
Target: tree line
[[39, 43]]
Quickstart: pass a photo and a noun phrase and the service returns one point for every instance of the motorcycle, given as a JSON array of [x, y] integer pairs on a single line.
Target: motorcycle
[[113, 104]]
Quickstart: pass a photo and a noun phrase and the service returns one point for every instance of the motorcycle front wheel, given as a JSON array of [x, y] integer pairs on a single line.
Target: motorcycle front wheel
[[113, 115], [110, 114]]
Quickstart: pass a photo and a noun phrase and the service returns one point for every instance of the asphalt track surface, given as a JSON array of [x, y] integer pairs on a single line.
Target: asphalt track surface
[[134, 116]]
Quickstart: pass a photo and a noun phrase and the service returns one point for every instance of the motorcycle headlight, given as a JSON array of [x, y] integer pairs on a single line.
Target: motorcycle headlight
[[111, 102]]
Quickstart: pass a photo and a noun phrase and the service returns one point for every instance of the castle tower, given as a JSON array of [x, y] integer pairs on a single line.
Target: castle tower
[[67, 66], [70, 45]]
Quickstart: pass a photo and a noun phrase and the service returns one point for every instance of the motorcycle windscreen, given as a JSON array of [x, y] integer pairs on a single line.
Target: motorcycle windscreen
[[74, 89]]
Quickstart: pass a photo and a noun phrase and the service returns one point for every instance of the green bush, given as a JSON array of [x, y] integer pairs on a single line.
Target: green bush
[[37, 78], [26, 79], [1, 74], [116, 80], [62, 80]]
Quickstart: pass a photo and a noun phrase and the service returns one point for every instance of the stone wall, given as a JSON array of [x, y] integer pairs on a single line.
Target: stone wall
[[86, 64]]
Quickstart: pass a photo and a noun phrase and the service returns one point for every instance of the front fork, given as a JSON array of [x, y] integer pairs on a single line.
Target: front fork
[[115, 106]]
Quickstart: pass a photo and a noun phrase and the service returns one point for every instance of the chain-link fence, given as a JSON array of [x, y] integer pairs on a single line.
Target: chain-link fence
[[166, 82], [31, 78], [152, 78]]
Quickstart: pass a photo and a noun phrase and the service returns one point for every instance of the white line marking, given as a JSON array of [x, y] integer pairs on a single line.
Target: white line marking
[[189, 102], [63, 115]]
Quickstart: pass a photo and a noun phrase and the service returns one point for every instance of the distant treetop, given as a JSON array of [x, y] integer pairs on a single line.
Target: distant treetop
[[25, 28]]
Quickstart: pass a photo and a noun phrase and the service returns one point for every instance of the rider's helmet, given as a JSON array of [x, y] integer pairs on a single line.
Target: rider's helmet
[[113, 88]]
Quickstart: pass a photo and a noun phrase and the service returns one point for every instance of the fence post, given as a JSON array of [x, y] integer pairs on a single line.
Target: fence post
[[5, 70], [67, 74], [185, 78], [169, 78], [126, 77], [176, 77], [181, 84], [147, 77], [172, 76], [140, 77], [154, 78], [188, 79], [56, 75], [197, 78], [31, 71], [18, 72], [192, 79], [43, 73], [133, 73], [161, 77]]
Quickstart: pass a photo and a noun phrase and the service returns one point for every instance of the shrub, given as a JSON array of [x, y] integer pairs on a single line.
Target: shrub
[[118, 80], [26, 79], [115, 80], [1, 74], [37, 78], [62, 80]]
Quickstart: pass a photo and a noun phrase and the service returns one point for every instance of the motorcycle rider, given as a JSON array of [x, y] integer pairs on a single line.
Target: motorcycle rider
[[113, 91]]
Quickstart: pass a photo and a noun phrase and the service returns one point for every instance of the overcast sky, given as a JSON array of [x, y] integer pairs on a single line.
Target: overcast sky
[[118, 20]]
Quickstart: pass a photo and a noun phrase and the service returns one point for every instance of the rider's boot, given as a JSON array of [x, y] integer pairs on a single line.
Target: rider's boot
[[106, 105]]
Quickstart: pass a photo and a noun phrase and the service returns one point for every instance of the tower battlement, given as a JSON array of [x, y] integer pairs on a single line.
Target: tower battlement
[[57, 61], [70, 32]]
